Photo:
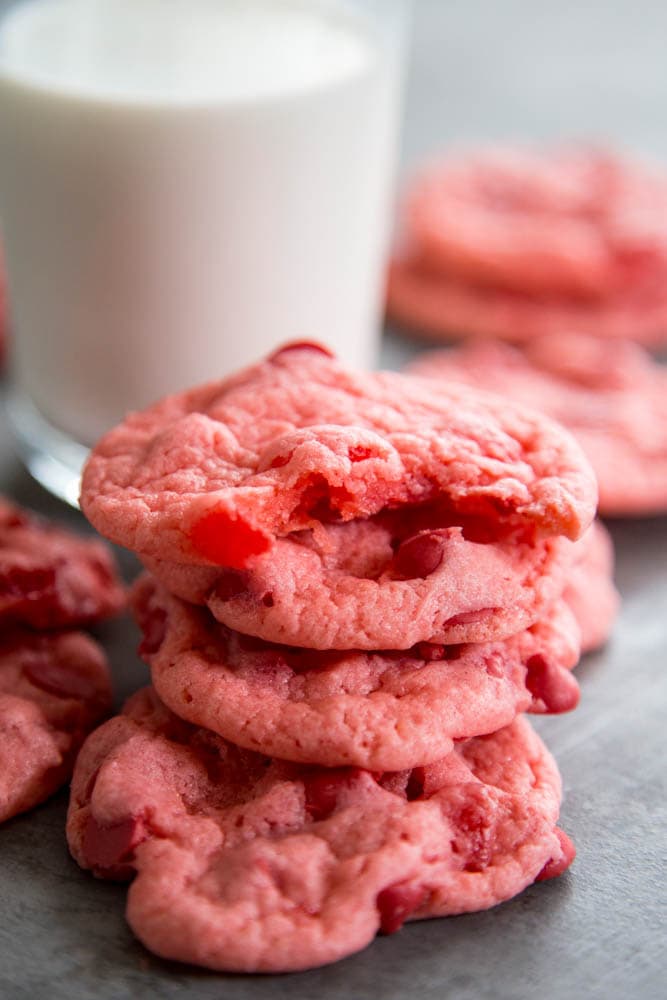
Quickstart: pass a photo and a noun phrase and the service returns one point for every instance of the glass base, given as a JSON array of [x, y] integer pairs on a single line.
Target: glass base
[[51, 457]]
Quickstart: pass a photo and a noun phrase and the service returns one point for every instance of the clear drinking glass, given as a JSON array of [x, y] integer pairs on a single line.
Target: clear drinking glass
[[183, 185]]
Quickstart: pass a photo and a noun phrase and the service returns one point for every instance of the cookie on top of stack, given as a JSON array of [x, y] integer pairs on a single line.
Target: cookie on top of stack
[[358, 585], [516, 243], [54, 680]]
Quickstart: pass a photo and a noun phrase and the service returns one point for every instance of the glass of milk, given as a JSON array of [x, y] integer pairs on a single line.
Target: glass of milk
[[185, 184]]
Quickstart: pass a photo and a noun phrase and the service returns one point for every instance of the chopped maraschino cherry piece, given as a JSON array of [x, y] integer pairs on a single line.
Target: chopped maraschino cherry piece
[[420, 555], [154, 626], [556, 866], [358, 453], [302, 345], [470, 617], [107, 847], [555, 687], [227, 540], [323, 790], [396, 903], [59, 680]]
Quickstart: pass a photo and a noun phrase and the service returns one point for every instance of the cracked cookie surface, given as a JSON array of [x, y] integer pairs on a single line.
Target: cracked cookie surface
[[215, 475]]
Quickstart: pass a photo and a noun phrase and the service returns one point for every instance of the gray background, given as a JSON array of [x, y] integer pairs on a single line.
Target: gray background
[[480, 69]]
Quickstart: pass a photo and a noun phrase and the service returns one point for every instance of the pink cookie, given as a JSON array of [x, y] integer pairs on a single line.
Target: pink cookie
[[568, 221], [49, 577], [54, 689], [251, 864], [215, 475], [590, 590], [443, 307], [612, 397], [382, 710], [382, 583]]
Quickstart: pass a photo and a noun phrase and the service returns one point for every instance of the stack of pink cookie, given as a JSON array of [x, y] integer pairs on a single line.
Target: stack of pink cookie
[[54, 681], [518, 243], [358, 585]]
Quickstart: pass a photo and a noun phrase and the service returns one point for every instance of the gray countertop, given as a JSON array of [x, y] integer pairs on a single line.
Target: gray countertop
[[480, 69]]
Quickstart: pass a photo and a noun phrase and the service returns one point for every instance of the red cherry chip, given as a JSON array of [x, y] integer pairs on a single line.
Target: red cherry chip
[[324, 788], [302, 345], [60, 680], [396, 903], [554, 686], [556, 866], [108, 847], [420, 555], [226, 540]]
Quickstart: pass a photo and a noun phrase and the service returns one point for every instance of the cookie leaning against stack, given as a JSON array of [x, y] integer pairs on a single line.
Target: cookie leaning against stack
[[356, 590]]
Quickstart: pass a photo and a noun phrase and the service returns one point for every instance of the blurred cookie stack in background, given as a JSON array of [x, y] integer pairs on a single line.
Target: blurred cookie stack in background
[[516, 243]]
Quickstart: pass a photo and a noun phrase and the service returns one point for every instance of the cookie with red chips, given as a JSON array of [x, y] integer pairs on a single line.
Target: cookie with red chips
[[382, 583], [251, 864], [51, 578], [382, 710], [271, 467], [54, 689], [612, 397]]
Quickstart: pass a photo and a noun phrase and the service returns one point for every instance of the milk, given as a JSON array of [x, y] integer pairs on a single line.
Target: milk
[[183, 185]]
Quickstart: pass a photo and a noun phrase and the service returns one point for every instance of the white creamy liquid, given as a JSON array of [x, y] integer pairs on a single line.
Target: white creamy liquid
[[183, 185]]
